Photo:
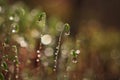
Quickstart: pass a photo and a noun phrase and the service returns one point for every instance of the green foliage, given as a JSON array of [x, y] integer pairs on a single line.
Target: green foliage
[[4, 65], [1, 76], [25, 33]]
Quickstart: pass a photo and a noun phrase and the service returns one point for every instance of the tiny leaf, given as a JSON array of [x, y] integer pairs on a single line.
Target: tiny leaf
[[41, 16], [4, 65], [74, 53], [42, 19], [67, 27]]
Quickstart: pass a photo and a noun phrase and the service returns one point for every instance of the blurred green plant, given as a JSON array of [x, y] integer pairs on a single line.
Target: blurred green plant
[[44, 39]]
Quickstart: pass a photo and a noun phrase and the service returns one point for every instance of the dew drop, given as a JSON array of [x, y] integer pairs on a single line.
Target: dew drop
[[38, 51], [74, 60], [15, 28], [55, 66], [6, 70], [14, 61], [55, 60], [54, 69], [16, 76], [39, 55], [67, 33], [77, 51], [37, 60], [56, 53], [11, 18], [16, 56], [13, 31], [57, 47]]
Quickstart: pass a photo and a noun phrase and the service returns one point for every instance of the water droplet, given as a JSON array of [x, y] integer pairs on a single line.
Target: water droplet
[[16, 76], [55, 60], [37, 60], [56, 53], [57, 47], [16, 56], [13, 31], [14, 61], [21, 41], [65, 76], [38, 51], [39, 55], [74, 60], [15, 28], [11, 18], [55, 66], [67, 33], [77, 51], [6, 70], [54, 69]]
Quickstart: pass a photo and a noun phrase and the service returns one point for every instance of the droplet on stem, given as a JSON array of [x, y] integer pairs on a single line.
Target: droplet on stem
[[77, 51], [74, 60], [38, 51], [67, 33], [67, 29], [54, 69], [11, 18], [15, 28], [37, 60], [38, 55]]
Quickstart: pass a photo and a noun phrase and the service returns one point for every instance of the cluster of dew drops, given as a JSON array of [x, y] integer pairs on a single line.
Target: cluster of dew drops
[[74, 53]]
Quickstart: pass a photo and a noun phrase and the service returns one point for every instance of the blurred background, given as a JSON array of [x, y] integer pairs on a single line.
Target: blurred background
[[78, 12], [94, 31]]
